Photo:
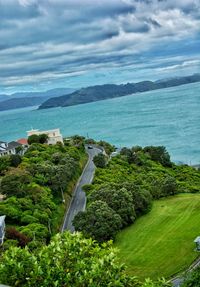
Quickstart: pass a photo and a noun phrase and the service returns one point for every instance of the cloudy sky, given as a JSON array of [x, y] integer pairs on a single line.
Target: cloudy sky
[[47, 44]]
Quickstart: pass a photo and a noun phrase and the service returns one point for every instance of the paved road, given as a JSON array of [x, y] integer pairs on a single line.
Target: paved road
[[78, 201], [177, 281]]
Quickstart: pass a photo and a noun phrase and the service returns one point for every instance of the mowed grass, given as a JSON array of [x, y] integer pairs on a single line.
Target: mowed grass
[[160, 243]]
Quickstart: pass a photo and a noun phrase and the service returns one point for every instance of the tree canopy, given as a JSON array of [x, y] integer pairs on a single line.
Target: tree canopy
[[69, 260]]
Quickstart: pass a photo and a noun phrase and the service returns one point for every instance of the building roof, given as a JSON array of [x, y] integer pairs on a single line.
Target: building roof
[[23, 141], [10, 145], [197, 240], [2, 148], [13, 144], [2, 219]]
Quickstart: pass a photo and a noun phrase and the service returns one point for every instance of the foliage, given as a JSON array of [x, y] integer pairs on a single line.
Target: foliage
[[15, 182], [12, 233], [4, 164], [35, 189], [100, 160], [132, 179], [159, 283], [78, 141], [99, 221], [119, 199], [69, 260], [192, 279], [107, 147], [15, 160], [159, 154], [37, 139], [142, 199]]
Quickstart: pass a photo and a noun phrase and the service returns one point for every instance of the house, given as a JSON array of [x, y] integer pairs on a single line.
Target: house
[[8, 148], [54, 136], [197, 242], [2, 228]]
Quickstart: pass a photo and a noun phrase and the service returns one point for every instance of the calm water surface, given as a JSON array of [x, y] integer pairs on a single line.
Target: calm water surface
[[169, 117]]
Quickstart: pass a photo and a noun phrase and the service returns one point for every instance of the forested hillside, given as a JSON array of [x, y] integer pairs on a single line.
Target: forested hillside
[[109, 91], [125, 188], [34, 187], [37, 187]]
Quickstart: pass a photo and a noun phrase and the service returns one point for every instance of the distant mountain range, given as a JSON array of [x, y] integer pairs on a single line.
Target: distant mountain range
[[109, 91], [64, 97], [26, 99]]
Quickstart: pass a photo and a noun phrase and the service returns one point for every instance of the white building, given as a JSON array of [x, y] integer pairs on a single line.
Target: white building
[[2, 228], [8, 148], [54, 136]]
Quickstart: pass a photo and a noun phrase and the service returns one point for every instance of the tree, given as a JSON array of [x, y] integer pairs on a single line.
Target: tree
[[37, 139], [99, 221], [69, 260], [192, 279], [107, 147], [15, 160], [43, 138], [119, 199], [35, 230], [133, 155], [142, 199], [100, 160], [12, 233], [78, 141], [169, 186], [4, 164], [15, 183], [33, 139], [126, 152], [11, 208], [159, 154]]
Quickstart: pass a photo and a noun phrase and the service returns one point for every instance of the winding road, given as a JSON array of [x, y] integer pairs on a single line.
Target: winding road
[[177, 281], [78, 201]]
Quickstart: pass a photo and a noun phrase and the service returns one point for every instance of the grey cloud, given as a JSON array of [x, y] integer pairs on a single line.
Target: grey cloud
[[55, 37]]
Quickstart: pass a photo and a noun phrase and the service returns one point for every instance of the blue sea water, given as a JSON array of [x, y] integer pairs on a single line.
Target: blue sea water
[[169, 117]]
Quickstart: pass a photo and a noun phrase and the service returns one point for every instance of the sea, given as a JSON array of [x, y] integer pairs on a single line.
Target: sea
[[168, 117]]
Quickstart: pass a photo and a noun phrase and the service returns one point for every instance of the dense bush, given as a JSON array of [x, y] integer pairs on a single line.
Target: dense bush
[[100, 160], [37, 139], [35, 189], [129, 182], [69, 260], [99, 221], [192, 279], [119, 199], [12, 233]]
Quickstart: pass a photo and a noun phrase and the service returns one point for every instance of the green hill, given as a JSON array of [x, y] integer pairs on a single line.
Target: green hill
[[161, 242]]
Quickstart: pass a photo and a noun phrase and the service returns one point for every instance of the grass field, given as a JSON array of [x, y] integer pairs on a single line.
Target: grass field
[[161, 242]]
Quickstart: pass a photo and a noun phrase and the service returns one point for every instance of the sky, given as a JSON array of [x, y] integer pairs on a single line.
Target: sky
[[47, 44]]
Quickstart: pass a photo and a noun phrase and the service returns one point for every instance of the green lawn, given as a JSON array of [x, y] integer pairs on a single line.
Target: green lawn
[[161, 242]]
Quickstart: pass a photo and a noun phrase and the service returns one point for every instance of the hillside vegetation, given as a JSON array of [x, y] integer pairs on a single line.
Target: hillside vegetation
[[119, 207], [35, 187], [125, 188]]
